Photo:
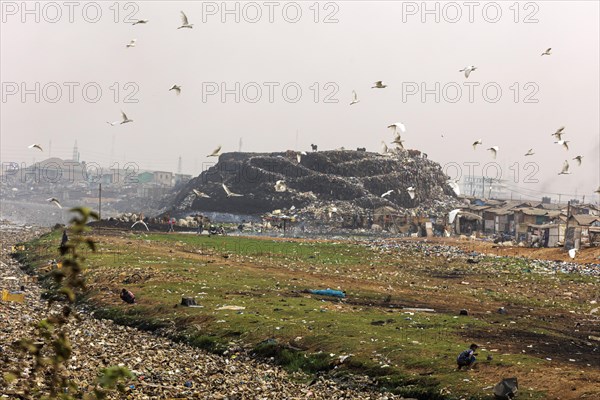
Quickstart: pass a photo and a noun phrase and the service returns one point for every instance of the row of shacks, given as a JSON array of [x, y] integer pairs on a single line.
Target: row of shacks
[[534, 223]]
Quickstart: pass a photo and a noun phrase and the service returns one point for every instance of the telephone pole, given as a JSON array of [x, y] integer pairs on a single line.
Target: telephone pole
[[100, 201], [567, 227]]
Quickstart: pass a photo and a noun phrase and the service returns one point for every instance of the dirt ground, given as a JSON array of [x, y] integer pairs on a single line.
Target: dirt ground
[[590, 255]]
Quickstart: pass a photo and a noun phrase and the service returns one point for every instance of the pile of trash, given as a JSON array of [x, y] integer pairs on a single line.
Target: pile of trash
[[337, 184]]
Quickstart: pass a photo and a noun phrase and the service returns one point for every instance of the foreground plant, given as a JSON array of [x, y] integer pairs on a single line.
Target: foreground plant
[[51, 347]]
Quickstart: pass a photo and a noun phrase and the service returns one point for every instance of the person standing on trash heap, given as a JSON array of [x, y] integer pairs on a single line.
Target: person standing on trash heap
[[467, 357], [127, 296]]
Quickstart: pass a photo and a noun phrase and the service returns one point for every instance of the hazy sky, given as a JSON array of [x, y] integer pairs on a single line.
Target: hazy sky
[[370, 41]]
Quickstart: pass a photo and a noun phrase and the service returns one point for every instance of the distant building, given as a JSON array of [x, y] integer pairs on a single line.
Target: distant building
[[483, 187], [163, 178]]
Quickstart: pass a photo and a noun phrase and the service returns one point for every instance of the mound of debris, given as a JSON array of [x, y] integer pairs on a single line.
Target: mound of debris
[[320, 183]]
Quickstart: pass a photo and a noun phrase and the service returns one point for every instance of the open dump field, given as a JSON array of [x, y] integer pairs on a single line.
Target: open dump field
[[530, 322]]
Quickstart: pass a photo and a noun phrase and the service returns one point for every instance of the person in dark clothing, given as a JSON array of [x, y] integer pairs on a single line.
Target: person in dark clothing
[[63, 242], [127, 296], [467, 357]]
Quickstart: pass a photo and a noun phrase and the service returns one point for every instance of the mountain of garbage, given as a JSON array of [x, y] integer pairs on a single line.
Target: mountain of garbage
[[319, 182]]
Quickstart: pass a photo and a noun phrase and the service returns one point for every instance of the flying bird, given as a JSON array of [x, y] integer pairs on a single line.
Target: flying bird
[[280, 186], [55, 201], [184, 22], [468, 70], [411, 192], [565, 169], [529, 152], [387, 193], [354, 98], [176, 88], [397, 125], [378, 85], [476, 143], [200, 194], [216, 152], [140, 221], [547, 52], [559, 132], [230, 193], [597, 190], [454, 185], [131, 43], [494, 150], [563, 143], [384, 148], [124, 120], [578, 159], [35, 146], [140, 21]]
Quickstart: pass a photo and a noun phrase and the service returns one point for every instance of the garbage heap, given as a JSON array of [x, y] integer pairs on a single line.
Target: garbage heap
[[330, 185]]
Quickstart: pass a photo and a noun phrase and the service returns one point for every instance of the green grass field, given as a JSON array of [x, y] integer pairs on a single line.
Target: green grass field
[[409, 353]]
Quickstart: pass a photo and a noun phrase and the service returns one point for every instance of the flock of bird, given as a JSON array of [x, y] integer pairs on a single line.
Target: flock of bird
[[396, 127]]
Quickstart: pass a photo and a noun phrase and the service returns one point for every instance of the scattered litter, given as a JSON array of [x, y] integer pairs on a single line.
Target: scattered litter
[[232, 308]]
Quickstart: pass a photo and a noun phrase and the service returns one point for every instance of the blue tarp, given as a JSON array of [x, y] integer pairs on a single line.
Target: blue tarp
[[328, 292]]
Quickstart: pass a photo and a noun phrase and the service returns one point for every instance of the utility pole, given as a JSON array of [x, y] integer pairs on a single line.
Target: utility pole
[[483, 187], [99, 201], [559, 195], [567, 227]]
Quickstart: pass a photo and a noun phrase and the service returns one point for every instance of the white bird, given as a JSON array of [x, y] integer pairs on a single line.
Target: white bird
[[354, 98], [184, 22], [280, 186], [397, 125], [55, 201], [140, 221], [124, 120], [572, 253], [378, 85], [547, 52], [476, 143], [131, 43], [494, 150], [384, 148], [140, 21], [559, 132], [454, 185], [230, 193], [216, 152], [578, 159], [200, 194], [565, 168], [468, 70], [299, 156], [411, 192], [35, 146], [176, 88], [563, 143], [387, 193], [529, 152]]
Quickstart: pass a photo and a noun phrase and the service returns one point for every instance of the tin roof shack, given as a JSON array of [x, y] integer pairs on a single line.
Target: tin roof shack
[[579, 230], [586, 209], [545, 235], [465, 223], [524, 217], [503, 219], [480, 211]]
